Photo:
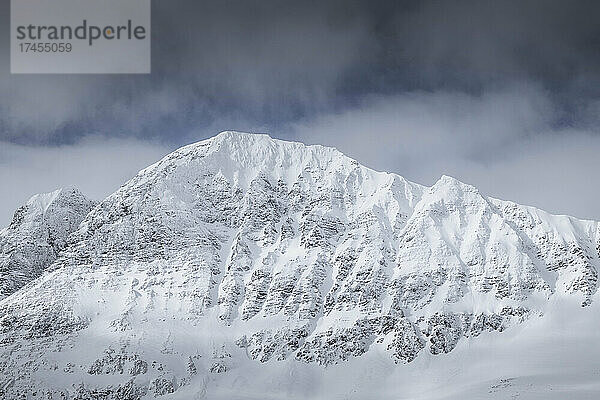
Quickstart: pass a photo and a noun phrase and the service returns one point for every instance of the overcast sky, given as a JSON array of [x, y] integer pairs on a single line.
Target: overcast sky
[[504, 95]]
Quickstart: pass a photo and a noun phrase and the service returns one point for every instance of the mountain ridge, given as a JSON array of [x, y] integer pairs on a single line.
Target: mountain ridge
[[241, 250]]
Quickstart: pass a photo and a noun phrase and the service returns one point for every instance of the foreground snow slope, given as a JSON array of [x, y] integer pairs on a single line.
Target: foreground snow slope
[[247, 267]]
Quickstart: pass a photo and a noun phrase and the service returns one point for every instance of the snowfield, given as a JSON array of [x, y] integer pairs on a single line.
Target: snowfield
[[243, 267]]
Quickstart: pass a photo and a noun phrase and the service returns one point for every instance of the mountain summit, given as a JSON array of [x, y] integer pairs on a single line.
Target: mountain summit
[[247, 265]]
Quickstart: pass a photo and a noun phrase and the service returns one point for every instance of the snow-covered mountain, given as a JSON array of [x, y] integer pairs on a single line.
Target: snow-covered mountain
[[248, 267], [37, 233]]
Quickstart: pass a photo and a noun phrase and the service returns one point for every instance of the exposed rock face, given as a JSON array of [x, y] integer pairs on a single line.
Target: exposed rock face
[[38, 232], [242, 246]]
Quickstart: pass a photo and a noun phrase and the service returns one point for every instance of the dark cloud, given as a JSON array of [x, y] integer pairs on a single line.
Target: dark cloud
[[263, 64], [485, 41], [471, 88]]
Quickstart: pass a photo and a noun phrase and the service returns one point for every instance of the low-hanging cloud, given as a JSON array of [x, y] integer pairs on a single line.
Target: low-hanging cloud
[[504, 142], [504, 95], [95, 165]]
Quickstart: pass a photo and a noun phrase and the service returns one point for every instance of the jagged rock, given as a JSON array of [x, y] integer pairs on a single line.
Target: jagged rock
[[127, 391], [406, 343], [218, 367], [163, 386]]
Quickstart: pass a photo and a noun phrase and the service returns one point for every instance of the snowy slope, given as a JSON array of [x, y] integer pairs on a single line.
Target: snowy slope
[[37, 233], [243, 267]]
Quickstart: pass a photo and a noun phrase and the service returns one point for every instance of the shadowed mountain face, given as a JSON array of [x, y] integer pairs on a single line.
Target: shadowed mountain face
[[236, 254]]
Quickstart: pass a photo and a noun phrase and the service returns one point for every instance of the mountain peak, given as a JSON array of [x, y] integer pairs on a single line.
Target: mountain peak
[[239, 135], [42, 201], [450, 181], [242, 251], [38, 232], [241, 157], [260, 143]]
